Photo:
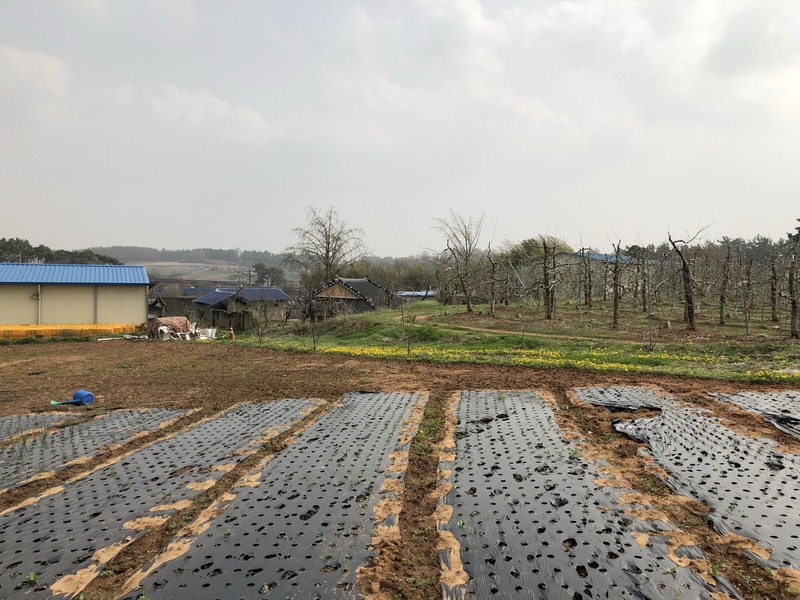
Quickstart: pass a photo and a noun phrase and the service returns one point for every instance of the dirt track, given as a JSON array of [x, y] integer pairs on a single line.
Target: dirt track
[[213, 376]]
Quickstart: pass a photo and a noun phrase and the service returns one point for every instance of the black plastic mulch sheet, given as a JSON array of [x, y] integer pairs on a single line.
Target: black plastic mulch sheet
[[51, 450], [14, 425], [751, 487], [623, 398], [532, 524], [782, 409], [59, 534], [305, 530]]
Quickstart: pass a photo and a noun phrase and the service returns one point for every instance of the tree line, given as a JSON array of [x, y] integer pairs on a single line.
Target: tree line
[[22, 251], [728, 277], [725, 277], [232, 256]]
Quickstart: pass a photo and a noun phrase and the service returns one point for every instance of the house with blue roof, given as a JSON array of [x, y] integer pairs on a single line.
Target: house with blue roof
[[80, 294]]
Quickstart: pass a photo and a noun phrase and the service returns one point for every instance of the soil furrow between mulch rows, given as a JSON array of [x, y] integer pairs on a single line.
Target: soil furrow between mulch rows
[[625, 466], [29, 491], [305, 531], [46, 454], [407, 567], [148, 547], [77, 529]]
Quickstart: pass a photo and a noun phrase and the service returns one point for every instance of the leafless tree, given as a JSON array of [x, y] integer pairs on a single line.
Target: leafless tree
[[617, 282], [586, 276], [548, 277], [793, 292], [462, 235], [723, 288], [681, 249], [641, 283], [774, 288], [746, 272], [493, 279], [325, 246]]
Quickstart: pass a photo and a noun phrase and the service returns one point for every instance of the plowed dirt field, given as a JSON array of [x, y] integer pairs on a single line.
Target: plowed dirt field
[[212, 470]]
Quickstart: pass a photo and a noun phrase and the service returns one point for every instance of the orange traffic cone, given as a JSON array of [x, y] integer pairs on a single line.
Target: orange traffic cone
[[232, 335]]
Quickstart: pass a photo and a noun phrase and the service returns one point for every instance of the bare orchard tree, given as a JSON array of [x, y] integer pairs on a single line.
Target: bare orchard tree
[[462, 235], [552, 248], [324, 246], [794, 239], [617, 281], [723, 287], [681, 248], [549, 277], [586, 276], [746, 283], [492, 279], [774, 288]]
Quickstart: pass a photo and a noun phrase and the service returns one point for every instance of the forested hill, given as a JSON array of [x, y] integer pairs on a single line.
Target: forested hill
[[19, 250], [233, 256]]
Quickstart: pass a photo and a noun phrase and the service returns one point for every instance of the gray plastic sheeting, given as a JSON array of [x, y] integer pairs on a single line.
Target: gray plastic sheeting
[[532, 524], [14, 425], [305, 530], [782, 409], [59, 534], [752, 488], [49, 451]]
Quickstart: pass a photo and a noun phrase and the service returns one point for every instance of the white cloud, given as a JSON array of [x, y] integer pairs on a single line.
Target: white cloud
[[33, 71], [506, 100], [198, 110], [619, 18], [469, 15], [205, 111]]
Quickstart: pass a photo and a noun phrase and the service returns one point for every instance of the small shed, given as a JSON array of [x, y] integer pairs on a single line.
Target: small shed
[[41, 294], [172, 306], [232, 307], [351, 295]]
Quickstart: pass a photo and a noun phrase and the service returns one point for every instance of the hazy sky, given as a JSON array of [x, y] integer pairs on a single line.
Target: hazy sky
[[181, 124]]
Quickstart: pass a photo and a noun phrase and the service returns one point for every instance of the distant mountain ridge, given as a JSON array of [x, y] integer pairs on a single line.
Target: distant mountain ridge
[[231, 256]]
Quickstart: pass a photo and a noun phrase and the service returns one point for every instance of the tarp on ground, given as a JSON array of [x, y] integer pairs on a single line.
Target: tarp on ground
[[175, 325]]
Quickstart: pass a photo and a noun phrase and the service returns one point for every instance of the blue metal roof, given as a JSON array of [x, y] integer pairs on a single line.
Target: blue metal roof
[[15, 273], [417, 294], [262, 293], [214, 299]]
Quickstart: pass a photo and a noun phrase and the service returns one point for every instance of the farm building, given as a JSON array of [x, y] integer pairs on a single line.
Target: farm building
[[38, 294], [232, 307], [351, 296]]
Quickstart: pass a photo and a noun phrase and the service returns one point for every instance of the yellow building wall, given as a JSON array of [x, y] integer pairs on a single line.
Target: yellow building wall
[[73, 304], [67, 304], [121, 304], [17, 306]]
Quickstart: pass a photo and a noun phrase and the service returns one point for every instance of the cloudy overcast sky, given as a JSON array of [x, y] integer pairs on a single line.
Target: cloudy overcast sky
[[182, 124]]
